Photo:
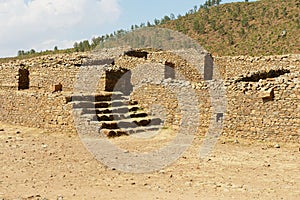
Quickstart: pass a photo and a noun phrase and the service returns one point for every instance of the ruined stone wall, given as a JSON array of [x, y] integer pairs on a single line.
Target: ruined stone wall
[[263, 96], [165, 100], [44, 71], [9, 77], [192, 71], [266, 108], [34, 109], [239, 66], [259, 106], [40, 105]]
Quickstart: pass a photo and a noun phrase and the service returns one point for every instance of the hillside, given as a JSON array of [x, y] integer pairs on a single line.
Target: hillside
[[265, 27]]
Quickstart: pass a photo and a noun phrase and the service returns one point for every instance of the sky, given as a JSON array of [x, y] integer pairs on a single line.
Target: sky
[[43, 24]]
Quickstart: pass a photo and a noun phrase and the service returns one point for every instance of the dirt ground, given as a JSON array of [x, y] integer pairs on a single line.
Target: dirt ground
[[36, 164]]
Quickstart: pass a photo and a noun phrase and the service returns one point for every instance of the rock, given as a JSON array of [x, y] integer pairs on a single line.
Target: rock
[[60, 198], [1, 129], [277, 146], [267, 95]]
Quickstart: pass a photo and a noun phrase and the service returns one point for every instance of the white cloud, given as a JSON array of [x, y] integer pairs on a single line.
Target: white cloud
[[32, 24]]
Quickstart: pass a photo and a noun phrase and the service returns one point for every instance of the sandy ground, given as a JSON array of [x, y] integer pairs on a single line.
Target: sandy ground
[[36, 164]]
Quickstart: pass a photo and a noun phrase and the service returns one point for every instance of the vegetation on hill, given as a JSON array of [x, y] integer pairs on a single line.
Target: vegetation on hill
[[265, 27]]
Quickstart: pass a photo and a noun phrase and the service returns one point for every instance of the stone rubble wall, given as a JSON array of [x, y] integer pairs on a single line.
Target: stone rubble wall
[[165, 100], [34, 109], [44, 71], [239, 66], [9, 77], [192, 71], [267, 109]]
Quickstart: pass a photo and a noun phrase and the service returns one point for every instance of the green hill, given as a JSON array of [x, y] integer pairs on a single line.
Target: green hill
[[265, 27]]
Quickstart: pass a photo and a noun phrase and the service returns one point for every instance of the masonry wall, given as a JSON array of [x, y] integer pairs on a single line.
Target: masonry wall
[[44, 71], [262, 110], [9, 77], [166, 101], [34, 109], [192, 71], [267, 109], [239, 66], [252, 110]]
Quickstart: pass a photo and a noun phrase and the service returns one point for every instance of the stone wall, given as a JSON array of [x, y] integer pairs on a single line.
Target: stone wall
[[263, 108], [192, 71], [9, 77], [267, 109], [165, 100], [51, 111], [262, 98], [239, 66], [44, 71]]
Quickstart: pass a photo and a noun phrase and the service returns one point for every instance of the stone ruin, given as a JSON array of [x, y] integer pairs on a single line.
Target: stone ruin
[[262, 93]]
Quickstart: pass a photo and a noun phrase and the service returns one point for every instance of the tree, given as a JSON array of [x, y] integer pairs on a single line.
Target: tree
[[95, 42], [55, 48], [209, 3], [76, 46], [195, 9], [244, 21], [165, 19], [21, 53], [284, 12], [32, 51], [156, 22], [172, 16], [199, 27]]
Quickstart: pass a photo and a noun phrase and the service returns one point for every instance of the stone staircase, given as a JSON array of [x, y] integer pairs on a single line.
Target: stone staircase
[[114, 114]]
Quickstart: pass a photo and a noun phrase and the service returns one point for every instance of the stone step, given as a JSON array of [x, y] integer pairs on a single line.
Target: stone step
[[136, 114], [128, 131], [124, 123], [116, 116], [95, 97], [113, 132], [114, 110], [104, 117], [101, 104], [109, 125], [143, 129], [130, 123], [92, 115], [87, 104], [124, 109]]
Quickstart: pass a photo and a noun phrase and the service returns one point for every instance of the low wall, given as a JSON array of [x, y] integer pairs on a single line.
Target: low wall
[[34, 109]]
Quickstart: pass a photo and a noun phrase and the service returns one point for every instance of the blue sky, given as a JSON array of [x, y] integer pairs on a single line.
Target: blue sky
[[43, 24]]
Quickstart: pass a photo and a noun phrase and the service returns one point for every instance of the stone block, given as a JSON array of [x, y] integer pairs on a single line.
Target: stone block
[[56, 88]]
